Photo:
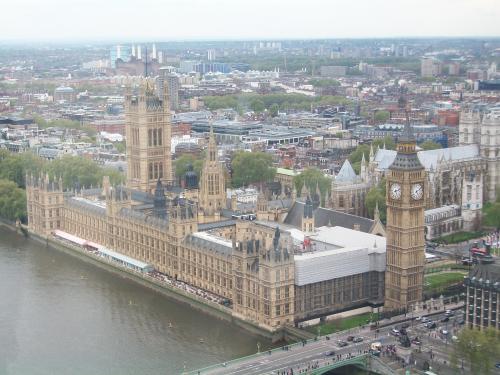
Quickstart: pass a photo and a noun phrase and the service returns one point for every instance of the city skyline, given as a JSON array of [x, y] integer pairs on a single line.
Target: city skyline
[[55, 21]]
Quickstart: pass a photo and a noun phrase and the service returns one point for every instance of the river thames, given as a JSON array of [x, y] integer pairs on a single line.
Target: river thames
[[59, 315]]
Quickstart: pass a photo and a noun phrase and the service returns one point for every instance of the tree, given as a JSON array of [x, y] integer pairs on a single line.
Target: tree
[[274, 110], [120, 147], [376, 195], [312, 177], [382, 116], [491, 213], [387, 141], [430, 145], [12, 201], [357, 155], [181, 165], [257, 106], [480, 349], [251, 168], [79, 171]]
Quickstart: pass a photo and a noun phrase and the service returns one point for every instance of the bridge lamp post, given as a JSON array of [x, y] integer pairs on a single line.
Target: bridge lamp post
[[258, 347]]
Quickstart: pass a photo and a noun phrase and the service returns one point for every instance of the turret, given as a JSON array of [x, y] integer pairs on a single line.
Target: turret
[[160, 201], [308, 217]]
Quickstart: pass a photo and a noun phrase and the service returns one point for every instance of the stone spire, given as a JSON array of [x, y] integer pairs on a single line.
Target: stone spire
[[376, 212], [371, 156]]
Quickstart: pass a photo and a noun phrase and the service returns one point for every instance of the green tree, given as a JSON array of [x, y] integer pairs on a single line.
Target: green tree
[[430, 145], [376, 195], [388, 141], [14, 167], [357, 155], [12, 201], [274, 110], [75, 170], [480, 349], [120, 147], [181, 165], [382, 116], [312, 177], [257, 106], [491, 213], [251, 168]]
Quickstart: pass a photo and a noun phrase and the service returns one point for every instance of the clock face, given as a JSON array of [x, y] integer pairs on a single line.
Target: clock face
[[417, 191], [395, 191]]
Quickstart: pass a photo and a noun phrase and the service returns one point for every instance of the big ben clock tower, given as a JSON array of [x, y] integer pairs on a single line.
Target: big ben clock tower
[[406, 184]]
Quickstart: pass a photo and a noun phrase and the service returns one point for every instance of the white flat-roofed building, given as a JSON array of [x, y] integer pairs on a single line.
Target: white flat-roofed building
[[339, 252]]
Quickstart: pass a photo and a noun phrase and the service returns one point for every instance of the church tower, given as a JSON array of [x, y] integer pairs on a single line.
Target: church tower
[[212, 198], [148, 133], [406, 185]]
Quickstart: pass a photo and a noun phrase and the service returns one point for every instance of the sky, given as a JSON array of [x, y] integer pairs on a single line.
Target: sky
[[164, 20]]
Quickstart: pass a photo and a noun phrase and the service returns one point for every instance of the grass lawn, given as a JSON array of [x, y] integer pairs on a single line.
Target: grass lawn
[[443, 279], [342, 324], [459, 237]]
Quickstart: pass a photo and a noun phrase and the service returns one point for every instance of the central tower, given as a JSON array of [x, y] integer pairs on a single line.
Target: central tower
[[406, 185], [212, 196], [148, 133]]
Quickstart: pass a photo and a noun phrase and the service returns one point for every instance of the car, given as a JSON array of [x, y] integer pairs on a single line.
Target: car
[[445, 319], [497, 365], [341, 344], [431, 325], [329, 353], [416, 341], [449, 313], [418, 318], [461, 321], [444, 332], [358, 339], [405, 325], [350, 338], [425, 319], [395, 332]]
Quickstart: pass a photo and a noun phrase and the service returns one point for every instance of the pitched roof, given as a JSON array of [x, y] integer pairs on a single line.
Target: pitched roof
[[346, 173], [429, 158], [324, 217]]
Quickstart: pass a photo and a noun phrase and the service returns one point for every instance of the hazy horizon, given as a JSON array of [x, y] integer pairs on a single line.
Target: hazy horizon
[[218, 20]]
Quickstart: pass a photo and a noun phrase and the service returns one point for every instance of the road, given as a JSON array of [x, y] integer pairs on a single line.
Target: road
[[300, 357]]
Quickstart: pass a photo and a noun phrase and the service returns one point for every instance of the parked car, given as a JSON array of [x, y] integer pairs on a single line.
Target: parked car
[[405, 325], [329, 353], [341, 344], [445, 319], [444, 332], [449, 313], [395, 332], [357, 339], [431, 325], [416, 341]]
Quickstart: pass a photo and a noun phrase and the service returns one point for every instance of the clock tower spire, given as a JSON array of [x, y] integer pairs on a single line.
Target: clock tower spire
[[406, 182]]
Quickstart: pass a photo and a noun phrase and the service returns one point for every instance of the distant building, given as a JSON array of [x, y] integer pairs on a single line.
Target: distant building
[[64, 93], [492, 85], [124, 53], [173, 85], [430, 67], [332, 71]]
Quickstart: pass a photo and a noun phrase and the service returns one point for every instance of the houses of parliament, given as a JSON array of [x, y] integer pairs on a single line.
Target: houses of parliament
[[311, 262]]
